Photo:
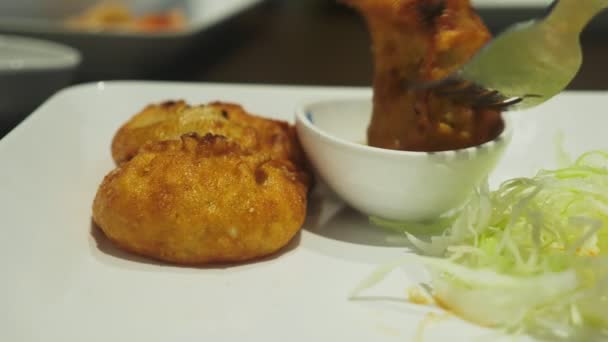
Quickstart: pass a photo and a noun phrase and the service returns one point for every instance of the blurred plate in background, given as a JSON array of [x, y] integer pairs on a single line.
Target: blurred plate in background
[[117, 54], [31, 70], [498, 14]]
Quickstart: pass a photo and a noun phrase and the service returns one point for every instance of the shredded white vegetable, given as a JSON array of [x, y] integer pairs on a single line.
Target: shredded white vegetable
[[527, 258]]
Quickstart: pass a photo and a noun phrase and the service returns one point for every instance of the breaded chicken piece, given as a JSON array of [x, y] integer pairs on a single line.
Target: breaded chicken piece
[[201, 200], [415, 41], [172, 119]]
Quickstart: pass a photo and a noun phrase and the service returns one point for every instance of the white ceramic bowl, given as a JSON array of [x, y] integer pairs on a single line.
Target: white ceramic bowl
[[393, 185], [30, 71]]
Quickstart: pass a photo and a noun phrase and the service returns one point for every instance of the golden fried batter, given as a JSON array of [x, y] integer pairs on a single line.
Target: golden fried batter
[[277, 137], [416, 41], [199, 200], [172, 119], [115, 16]]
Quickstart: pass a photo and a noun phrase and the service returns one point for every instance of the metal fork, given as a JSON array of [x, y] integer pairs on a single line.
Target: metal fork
[[527, 64]]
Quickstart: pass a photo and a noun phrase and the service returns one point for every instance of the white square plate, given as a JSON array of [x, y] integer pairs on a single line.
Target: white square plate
[[62, 281]]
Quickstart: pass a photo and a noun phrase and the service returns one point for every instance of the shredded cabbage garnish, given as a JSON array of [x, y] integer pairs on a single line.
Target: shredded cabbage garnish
[[528, 258]]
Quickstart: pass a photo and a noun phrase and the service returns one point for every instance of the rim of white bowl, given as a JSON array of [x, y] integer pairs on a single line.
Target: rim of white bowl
[[36, 54], [301, 116]]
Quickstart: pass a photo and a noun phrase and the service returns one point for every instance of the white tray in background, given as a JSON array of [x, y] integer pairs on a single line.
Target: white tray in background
[[511, 3], [118, 54]]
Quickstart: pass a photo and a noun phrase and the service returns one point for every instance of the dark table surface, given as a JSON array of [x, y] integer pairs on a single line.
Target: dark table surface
[[318, 42]]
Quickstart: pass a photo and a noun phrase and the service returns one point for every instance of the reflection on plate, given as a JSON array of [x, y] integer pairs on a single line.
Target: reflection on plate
[[63, 282]]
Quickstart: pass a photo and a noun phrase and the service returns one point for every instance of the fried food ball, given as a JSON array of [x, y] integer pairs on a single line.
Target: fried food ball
[[416, 41], [172, 119], [201, 200]]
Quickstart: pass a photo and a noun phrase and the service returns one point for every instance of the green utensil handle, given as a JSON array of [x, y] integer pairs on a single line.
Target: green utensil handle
[[574, 15]]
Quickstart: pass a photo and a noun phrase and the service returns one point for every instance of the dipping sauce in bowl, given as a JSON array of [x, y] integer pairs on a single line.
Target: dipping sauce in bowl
[[389, 184]]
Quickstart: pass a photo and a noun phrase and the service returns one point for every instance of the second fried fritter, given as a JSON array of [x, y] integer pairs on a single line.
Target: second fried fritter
[[200, 200], [170, 120]]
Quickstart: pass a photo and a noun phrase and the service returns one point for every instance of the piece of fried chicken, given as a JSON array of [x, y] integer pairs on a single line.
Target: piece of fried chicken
[[415, 41], [201, 200], [171, 119]]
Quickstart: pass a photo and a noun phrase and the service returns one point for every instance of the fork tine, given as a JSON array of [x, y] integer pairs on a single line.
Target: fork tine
[[500, 105], [488, 97], [467, 92], [488, 94], [473, 94]]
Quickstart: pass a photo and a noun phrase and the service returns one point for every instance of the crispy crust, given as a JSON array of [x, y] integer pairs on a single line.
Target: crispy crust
[[172, 119], [200, 200]]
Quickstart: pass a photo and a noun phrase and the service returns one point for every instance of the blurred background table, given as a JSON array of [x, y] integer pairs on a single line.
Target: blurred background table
[[317, 42]]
